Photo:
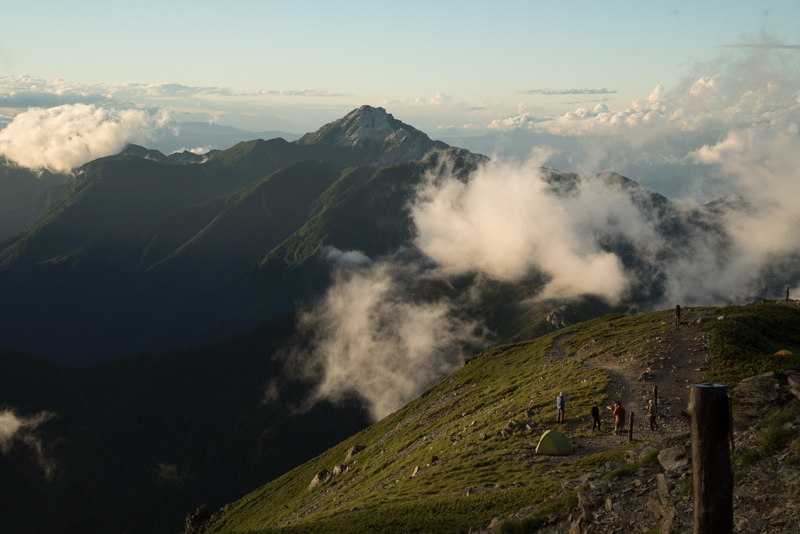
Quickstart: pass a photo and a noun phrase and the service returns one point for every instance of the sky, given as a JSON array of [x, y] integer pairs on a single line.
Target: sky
[[293, 67], [623, 86]]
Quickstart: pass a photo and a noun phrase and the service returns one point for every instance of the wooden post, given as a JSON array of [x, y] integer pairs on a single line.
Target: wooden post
[[655, 399], [730, 422], [630, 428], [711, 459]]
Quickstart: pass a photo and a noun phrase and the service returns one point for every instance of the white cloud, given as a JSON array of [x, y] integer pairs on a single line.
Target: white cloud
[[297, 92], [553, 91], [372, 341], [525, 120], [16, 429], [65, 137], [503, 222], [440, 99], [340, 257]]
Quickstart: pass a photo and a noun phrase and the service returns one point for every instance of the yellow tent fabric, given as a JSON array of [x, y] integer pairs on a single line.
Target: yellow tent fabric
[[554, 442], [783, 353]]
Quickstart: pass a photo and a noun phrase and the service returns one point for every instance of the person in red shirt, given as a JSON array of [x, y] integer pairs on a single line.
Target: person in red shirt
[[619, 417]]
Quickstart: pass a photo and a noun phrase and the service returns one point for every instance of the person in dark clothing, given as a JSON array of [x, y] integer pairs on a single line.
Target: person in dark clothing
[[787, 293], [652, 411], [595, 417], [677, 316]]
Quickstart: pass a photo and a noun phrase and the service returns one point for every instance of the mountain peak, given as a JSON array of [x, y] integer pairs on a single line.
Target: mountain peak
[[383, 139]]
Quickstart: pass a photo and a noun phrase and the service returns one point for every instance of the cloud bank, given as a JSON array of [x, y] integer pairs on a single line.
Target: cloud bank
[[65, 137], [371, 340], [554, 91], [16, 429], [506, 223]]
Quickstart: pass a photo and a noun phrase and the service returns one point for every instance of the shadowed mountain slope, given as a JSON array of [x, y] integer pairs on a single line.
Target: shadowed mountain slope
[[135, 443]]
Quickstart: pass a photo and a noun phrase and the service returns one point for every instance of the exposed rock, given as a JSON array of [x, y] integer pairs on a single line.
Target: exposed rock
[[586, 500], [672, 441], [664, 487], [792, 478], [760, 394], [320, 478], [668, 523], [196, 522], [654, 506], [352, 451], [338, 469], [673, 459], [556, 319], [794, 381], [416, 471], [634, 455], [742, 421]]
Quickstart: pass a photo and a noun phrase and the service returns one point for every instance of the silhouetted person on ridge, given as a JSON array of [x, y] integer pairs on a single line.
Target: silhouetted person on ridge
[[595, 417], [677, 316], [787, 293]]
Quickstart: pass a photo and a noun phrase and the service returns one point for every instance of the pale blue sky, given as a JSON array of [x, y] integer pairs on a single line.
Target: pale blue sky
[[479, 54]]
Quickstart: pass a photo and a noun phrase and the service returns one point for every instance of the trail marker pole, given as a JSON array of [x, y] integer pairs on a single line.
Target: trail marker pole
[[711, 459], [630, 428]]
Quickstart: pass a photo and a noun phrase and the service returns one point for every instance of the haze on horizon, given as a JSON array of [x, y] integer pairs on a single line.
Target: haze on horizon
[[636, 90]]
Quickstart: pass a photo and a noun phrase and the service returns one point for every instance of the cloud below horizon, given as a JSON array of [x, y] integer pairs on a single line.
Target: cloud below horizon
[[554, 91], [14, 428], [65, 137]]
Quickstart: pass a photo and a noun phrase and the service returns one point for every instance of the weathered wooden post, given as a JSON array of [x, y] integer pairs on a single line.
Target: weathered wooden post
[[711, 459], [630, 428], [730, 423]]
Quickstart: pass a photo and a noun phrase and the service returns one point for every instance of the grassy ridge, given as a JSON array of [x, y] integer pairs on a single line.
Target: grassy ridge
[[474, 479], [746, 345], [378, 492]]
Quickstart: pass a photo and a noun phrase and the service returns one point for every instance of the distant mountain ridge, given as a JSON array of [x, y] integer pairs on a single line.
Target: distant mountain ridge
[[140, 254]]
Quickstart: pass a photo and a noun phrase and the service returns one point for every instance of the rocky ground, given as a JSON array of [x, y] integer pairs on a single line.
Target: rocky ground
[[657, 498]]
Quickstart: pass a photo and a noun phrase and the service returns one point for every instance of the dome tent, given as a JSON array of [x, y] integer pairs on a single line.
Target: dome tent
[[554, 442]]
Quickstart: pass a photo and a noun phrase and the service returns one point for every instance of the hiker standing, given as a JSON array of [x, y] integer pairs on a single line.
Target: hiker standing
[[595, 417], [652, 411], [619, 417], [677, 316], [561, 402], [787, 294]]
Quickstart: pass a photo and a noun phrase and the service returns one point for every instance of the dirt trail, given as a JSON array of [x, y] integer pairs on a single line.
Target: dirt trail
[[672, 360]]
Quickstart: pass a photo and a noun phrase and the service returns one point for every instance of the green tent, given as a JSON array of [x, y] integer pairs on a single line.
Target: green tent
[[554, 442]]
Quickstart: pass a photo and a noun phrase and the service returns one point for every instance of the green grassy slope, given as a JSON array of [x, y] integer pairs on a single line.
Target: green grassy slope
[[501, 474]]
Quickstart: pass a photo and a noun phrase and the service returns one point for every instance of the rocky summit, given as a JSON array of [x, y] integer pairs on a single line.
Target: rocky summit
[[387, 140]]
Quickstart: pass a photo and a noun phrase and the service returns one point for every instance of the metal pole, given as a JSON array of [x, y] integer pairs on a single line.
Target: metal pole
[[711, 459]]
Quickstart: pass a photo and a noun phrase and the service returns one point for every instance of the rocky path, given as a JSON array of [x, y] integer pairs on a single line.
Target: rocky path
[[658, 497]]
